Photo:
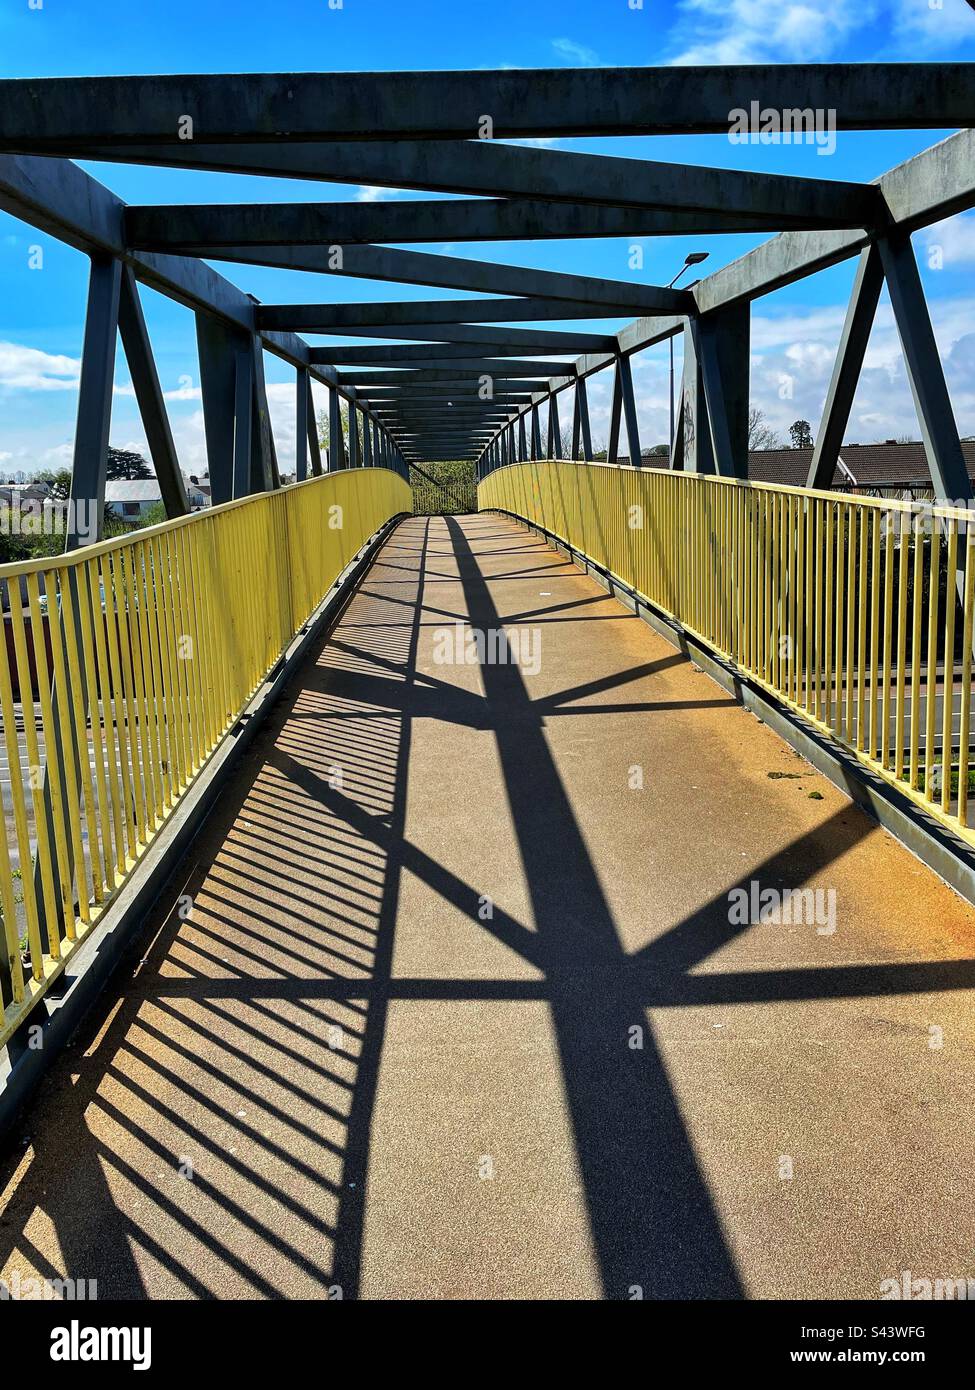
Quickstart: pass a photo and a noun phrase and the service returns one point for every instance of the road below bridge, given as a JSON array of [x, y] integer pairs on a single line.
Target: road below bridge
[[451, 998]]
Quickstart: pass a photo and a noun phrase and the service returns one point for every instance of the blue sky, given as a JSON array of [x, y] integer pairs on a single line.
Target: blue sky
[[794, 331]]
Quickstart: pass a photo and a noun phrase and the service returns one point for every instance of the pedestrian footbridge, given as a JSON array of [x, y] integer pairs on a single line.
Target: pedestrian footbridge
[[450, 997], [566, 896]]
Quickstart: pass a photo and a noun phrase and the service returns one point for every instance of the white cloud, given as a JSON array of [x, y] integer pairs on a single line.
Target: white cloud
[[922, 28], [793, 360], [29, 369], [370, 194], [752, 31], [571, 52], [955, 237]]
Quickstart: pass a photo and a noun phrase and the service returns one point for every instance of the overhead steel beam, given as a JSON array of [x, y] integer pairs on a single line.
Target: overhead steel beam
[[362, 106], [501, 369], [931, 186], [485, 167], [433, 412], [442, 353], [453, 272], [458, 377], [528, 339], [326, 318], [497, 170], [66, 202], [440, 395]]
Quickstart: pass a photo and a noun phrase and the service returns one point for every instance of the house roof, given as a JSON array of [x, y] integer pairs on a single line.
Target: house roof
[[871, 465]]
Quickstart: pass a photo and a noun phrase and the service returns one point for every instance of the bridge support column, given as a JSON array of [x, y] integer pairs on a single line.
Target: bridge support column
[[90, 464], [311, 427], [716, 366], [581, 436], [946, 462], [336, 450], [846, 368], [305, 437], [554, 430], [366, 441], [148, 394], [615, 416], [536, 435], [522, 439], [355, 458]]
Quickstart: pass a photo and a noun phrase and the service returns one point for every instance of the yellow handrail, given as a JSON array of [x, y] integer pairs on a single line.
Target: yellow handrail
[[857, 612], [157, 642]]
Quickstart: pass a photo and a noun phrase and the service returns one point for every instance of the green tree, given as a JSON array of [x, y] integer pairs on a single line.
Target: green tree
[[801, 432], [760, 433], [127, 464], [323, 426], [58, 480]]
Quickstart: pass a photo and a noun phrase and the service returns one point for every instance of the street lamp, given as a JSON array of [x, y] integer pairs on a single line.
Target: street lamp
[[695, 258]]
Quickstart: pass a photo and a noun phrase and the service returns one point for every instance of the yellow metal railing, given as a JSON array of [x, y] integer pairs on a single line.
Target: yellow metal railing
[[154, 644], [855, 611]]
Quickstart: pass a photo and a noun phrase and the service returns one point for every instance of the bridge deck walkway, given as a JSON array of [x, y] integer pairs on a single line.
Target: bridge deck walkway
[[459, 1009]]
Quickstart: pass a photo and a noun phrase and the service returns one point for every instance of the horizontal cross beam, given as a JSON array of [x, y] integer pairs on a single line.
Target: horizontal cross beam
[[454, 219], [362, 106], [438, 353], [453, 272], [325, 318]]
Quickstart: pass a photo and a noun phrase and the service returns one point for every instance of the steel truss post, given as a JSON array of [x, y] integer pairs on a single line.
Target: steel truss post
[[522, 439], [676, 457], [860, 313], [148, 394], [946, 462], [243, 422], [536, 435], [554, 431], [625, 378], [581, 434], [354, 454], [615, 415], [95, 401], [220, 348], [302, 440], [311, 428], [718, 355], [336, 449], [264, 459]]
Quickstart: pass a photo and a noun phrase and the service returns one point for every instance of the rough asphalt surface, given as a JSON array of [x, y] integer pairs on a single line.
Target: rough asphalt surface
[[458, 1009]]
